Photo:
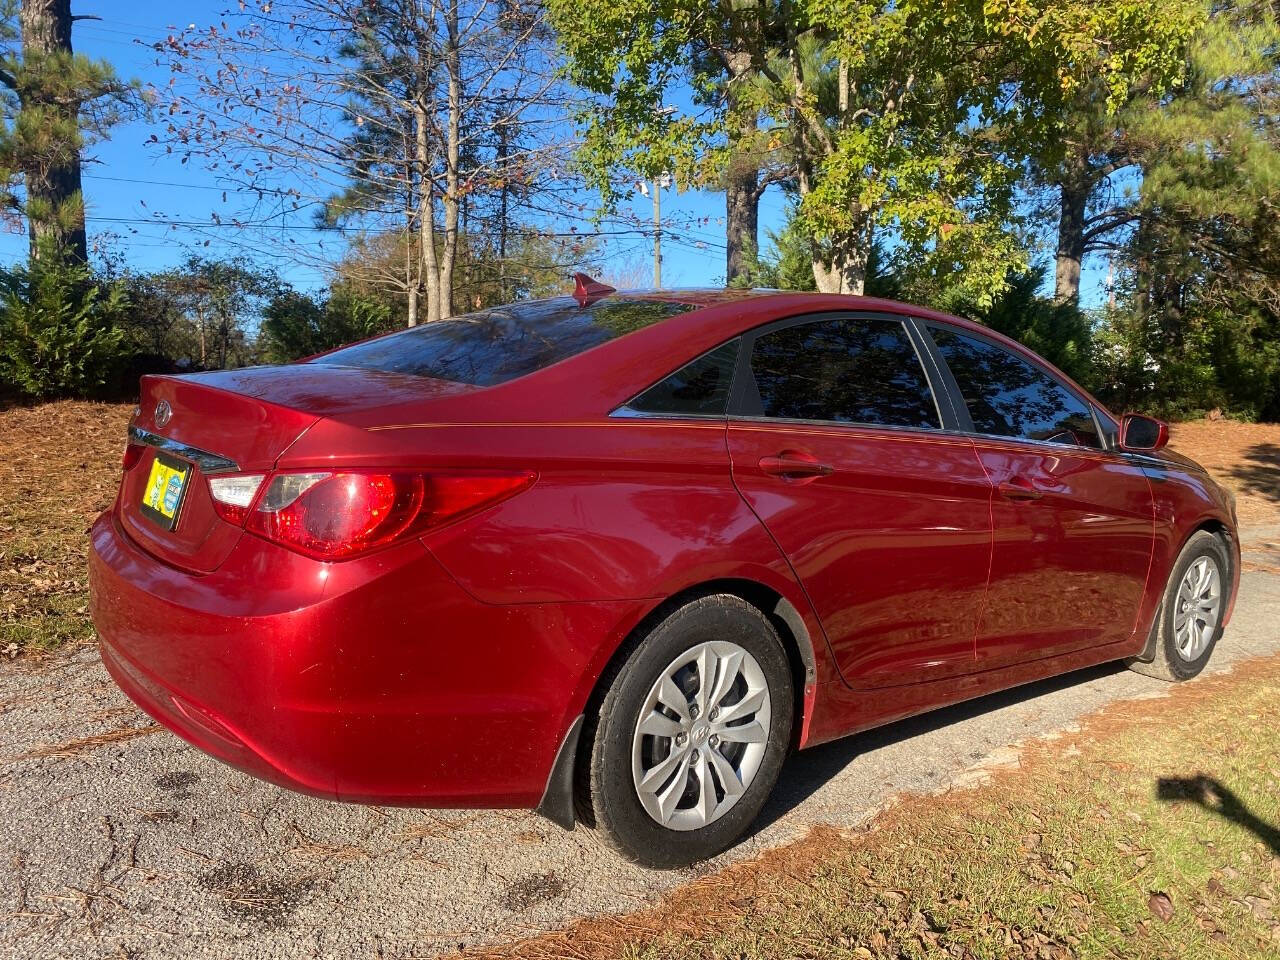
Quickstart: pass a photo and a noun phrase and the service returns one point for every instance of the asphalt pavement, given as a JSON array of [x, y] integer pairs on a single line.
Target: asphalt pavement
[[119, 840]]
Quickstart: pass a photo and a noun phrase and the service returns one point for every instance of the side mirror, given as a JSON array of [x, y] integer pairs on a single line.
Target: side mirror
[[1140, 434]]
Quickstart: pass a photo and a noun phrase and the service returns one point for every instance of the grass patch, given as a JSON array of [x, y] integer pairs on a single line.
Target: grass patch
[[1150, 834], [59, 468]]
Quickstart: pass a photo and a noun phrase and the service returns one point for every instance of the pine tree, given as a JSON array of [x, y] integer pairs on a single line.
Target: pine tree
[[55, 102]]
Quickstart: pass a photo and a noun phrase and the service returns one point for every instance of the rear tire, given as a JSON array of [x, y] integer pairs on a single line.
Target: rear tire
[[689, 784], [1189, 622]]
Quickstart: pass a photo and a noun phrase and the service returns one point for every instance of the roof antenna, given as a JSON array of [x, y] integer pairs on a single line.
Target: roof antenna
[[587, 291]]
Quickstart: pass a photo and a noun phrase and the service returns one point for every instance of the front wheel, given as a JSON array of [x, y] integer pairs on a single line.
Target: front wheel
[[1189, 623], [692, 733]]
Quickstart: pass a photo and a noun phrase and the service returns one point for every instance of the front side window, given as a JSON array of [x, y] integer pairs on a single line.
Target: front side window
[[699, 388], [1009, 397], [847, 370]]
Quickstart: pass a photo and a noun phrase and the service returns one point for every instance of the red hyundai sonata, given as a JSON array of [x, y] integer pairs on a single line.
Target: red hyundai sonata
[[613, 555]]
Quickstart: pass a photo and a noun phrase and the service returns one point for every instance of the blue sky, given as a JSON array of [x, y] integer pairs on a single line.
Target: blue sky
[[129, 186]]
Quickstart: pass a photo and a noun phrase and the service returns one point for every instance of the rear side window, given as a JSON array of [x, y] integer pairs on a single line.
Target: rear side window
[[846, 370], [1009, 397], [497, 345], [699, 388]]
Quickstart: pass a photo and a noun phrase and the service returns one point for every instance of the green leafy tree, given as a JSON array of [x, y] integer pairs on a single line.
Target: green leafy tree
[[204, 314], [894, 117], [1059, 332], [295, 325], [788, 261], [1079, 134], [1197, 326], [61, 333]]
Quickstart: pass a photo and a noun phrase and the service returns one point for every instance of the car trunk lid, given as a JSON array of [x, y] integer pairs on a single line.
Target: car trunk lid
[[234, 421]]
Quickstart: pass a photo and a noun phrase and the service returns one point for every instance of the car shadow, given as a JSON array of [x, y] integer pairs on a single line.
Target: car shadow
[[1214, 796], [1259, 471], [807, 771]]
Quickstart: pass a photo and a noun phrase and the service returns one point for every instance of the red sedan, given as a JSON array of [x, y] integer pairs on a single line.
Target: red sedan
[[612, 555]]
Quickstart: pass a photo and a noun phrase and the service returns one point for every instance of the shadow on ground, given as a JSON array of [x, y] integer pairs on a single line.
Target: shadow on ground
[[1259, 471], [808, 771], [1213, 795]]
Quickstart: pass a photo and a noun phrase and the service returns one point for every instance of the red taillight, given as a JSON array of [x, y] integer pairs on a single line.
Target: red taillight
[[132, 454], [333, 516]]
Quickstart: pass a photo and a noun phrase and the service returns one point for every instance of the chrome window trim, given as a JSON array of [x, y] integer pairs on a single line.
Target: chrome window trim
[[937, 432], [1045, 444], [627, 412], [206, 461], [846, 425]]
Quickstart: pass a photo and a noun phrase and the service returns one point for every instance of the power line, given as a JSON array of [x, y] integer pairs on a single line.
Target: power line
[[342, 231], [188, 186], [129, 221]]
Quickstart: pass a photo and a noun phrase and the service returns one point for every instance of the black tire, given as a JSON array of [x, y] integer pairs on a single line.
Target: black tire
[[612, 804], [1168, 663]]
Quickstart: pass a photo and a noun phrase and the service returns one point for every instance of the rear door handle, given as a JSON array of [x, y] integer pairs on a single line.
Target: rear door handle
[[791, 465], [1019, 489]]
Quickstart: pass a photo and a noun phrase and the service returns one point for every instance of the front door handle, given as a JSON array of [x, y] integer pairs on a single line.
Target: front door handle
[[1019, 488], [793, 465]]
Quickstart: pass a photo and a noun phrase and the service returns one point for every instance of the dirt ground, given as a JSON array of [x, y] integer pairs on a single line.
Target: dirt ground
[[1244, 457], [59, 468]]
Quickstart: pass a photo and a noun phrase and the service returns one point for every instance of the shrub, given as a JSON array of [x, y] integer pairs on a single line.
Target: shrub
[[295, 325], [1213, 358], [60, 330]]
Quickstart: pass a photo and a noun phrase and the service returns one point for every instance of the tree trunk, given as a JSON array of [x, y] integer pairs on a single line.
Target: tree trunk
[[843, 267], [840, 265], [1142, 268], [453, 66], [412, 262], [742, 218], [200, 327], [430, 269], [742, 182], [413, 304], [503, 194], [55, 203], [1071, 226]]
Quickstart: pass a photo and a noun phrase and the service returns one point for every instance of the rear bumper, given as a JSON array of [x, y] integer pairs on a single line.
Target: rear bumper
[[378, 680]]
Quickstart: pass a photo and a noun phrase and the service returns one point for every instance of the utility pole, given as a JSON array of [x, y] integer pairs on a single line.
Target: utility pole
[[657, 235], [659, 182]]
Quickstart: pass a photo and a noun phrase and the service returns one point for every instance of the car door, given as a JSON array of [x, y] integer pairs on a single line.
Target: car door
[[837, 442], [1073, 521]]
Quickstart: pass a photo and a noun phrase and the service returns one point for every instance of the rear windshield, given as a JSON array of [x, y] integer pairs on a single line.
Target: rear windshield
[[497, 345]]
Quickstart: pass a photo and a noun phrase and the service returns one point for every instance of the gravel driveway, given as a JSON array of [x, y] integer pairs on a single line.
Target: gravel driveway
[[118, 840]]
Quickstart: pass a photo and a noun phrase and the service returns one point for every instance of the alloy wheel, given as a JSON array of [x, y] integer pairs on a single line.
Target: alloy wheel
[[701, 735], [1197, 608]]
